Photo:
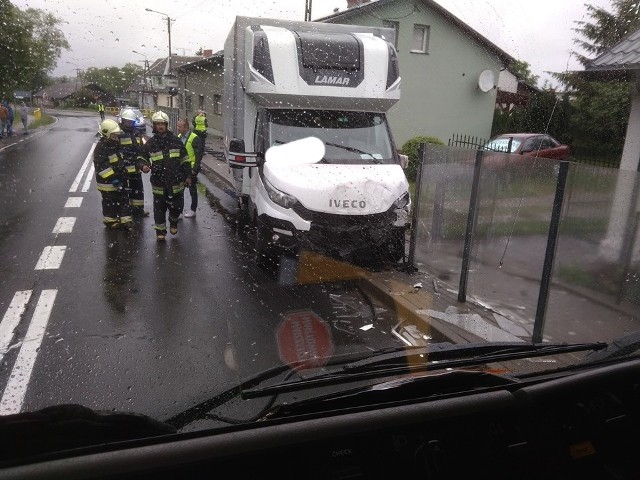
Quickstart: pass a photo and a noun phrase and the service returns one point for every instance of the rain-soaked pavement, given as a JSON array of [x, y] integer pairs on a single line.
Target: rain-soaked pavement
[[113, 320]]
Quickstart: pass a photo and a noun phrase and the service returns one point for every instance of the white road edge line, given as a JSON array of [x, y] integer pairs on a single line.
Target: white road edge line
[[12, 318], [76, 182], [51, 257], [16, 389], [87, 182]]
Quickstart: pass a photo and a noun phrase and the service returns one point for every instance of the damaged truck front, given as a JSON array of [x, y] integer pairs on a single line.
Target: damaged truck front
[[307, 139]]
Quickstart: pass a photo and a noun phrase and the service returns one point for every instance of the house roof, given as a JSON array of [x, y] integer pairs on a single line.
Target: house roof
[[60, 91], [625, 55], [369, 7], [214, 59], [158, 67]]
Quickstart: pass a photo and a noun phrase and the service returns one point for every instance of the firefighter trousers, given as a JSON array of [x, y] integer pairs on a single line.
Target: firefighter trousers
[[115, 208], [136, 193], [173, 203]]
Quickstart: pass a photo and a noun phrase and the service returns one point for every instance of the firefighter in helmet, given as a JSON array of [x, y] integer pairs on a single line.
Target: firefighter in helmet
[[131, 148], [167, 159], [111, 177]]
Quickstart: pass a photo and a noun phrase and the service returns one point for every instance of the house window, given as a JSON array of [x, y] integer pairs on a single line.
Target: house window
[[396, 27], [420, 39], [187, 103], [200, 102], [217, 104]]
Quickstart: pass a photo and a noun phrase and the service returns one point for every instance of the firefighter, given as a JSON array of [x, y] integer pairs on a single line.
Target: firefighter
[[131, 148], [111, 177], [101, 110], [200, 125], [167, 159]]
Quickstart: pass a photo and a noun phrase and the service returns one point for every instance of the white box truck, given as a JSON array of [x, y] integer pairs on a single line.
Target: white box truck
[[307, 139]]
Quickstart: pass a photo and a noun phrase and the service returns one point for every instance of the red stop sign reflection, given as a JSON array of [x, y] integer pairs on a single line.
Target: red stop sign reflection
[[304, 340]]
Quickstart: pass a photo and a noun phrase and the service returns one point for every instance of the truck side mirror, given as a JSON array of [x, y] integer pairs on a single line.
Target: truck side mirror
[[404, 160]]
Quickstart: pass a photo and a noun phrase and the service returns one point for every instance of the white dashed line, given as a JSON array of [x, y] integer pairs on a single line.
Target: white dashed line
[[14, 393], [87, 182], [76, 182], [64, 225], [51, 257], [73, 202], [11, 319]]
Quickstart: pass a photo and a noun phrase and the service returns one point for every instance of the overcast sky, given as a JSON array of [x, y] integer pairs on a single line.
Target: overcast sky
[[104, 33]]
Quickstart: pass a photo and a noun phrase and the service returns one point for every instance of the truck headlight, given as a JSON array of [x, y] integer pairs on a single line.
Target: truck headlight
[[402, 201], [279, 198]]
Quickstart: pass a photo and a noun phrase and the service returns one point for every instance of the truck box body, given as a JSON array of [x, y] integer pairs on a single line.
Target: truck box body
[[286, 81]]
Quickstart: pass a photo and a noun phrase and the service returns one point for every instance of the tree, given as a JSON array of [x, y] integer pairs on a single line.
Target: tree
[[114, 80], [522, 70], [30, 47]]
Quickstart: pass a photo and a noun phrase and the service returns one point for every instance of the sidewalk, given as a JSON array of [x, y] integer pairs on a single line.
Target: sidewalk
[[18, 134]]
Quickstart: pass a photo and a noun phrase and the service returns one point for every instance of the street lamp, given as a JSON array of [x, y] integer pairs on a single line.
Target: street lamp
[[169, 32]]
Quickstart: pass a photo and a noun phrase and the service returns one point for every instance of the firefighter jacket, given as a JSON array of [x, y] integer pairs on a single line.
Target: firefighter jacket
[[109, 165], [131, 148], [195, 150], [169, 163], [200, 123]]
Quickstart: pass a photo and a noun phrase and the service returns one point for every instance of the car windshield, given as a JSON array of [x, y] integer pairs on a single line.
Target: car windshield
[[503, 144], [167, 270]]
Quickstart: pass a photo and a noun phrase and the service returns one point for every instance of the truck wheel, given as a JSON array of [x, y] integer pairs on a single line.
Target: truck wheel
[[396, 246], [265, 256]]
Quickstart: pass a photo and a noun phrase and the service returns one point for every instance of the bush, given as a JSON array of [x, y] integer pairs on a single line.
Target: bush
[[411, 148]]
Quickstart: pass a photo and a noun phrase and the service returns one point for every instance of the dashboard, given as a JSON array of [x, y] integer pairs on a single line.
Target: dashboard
[[580, 426]]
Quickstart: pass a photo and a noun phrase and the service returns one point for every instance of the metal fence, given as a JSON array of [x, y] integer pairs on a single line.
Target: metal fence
[[466, 141]]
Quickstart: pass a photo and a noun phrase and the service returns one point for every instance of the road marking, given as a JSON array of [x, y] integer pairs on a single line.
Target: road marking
[[64, 225], [76, 182], [51, 257], [73, 202], [14, 392], [87, 182], [11, 319]]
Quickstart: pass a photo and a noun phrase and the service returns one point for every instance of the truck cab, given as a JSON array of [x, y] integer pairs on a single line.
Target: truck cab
[[303, 84]]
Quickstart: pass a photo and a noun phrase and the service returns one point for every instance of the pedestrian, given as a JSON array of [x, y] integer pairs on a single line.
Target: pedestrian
[[131, 150], [4, 118], [101, 109], [167, 159], [10, 119], [195, 149], [111, 176], [200, 125], [24, 116]]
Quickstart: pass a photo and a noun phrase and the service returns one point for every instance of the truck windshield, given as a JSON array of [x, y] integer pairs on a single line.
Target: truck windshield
[[350, 137]]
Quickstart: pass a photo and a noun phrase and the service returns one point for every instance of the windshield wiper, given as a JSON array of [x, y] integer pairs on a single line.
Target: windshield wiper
[[354, 150], [617, 348], [400, 360]]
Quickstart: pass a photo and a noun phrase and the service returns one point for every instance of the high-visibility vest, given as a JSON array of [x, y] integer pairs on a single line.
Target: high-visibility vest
[[100, 107], [200, 123], [190, 150]]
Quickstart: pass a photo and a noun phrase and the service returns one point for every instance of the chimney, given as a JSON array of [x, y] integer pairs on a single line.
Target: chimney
[[355, 3], [207, 53]]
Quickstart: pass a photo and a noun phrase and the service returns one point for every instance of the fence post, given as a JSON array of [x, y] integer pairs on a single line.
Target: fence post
[[416, 207], [471, 226], [550, 254]]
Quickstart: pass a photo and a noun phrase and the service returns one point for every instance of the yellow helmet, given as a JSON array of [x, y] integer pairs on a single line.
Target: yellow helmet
[[160, 117], [107, 127]]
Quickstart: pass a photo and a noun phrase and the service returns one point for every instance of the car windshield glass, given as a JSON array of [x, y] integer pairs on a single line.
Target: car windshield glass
[[350, 137], [503, 144], [313, 201]]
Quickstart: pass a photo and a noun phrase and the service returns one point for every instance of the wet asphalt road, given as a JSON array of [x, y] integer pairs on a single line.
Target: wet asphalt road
[[116, 321]]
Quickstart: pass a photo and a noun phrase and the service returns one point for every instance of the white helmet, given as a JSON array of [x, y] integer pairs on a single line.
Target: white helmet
[[160, 117], [107, 127], [128, 114]]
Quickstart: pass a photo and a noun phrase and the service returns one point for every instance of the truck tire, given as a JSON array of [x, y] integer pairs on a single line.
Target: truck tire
[[265, 255]]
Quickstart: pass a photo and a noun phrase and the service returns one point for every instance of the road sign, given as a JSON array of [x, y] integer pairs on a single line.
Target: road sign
[[304, 339]]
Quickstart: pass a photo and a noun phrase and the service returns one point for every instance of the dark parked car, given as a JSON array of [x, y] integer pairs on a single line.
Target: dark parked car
[[529, 144]]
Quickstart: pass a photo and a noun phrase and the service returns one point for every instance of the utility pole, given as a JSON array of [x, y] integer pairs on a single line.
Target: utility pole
[[169, 59], [307, 11]]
